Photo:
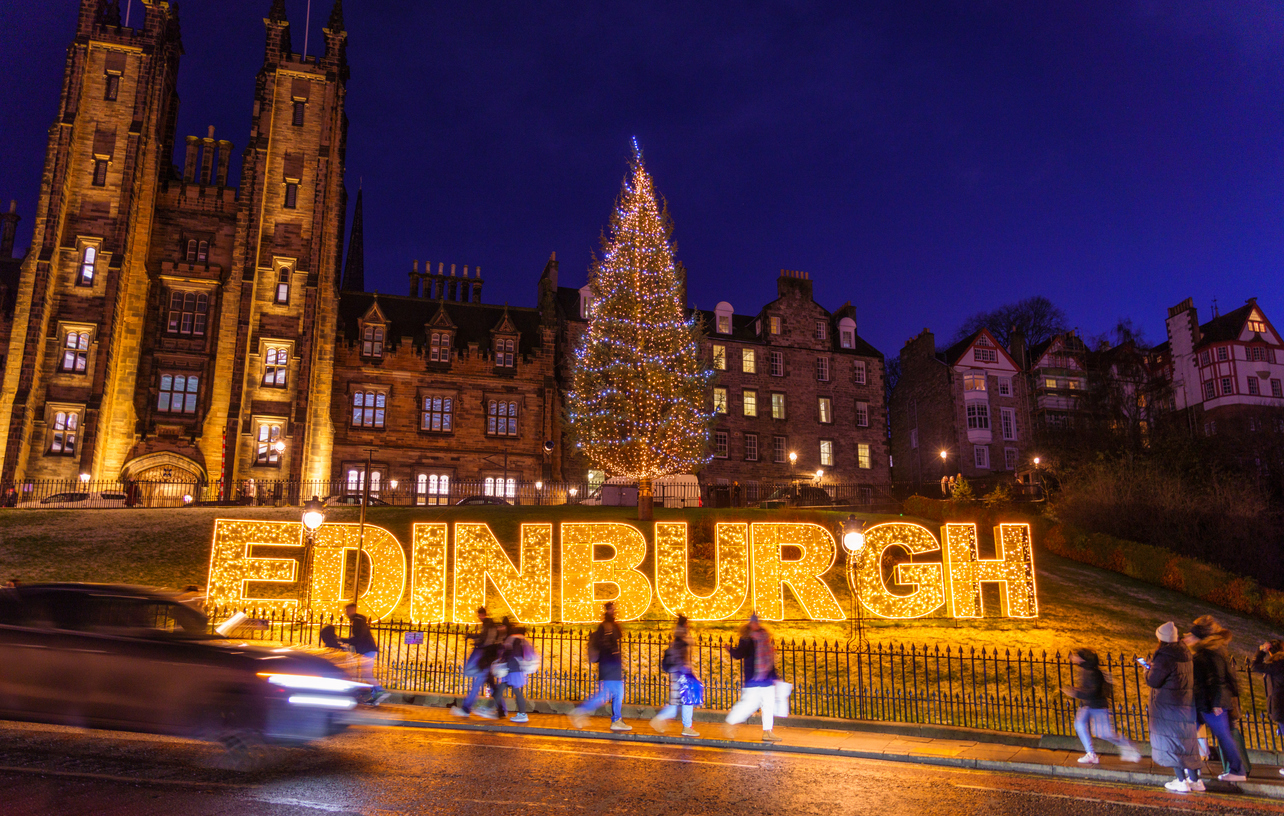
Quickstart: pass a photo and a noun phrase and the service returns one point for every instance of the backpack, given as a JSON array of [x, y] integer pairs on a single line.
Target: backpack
[[529, 662]]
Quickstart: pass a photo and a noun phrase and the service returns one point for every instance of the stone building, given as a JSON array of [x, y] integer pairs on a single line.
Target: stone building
[[793, 378], [970, 402], [1058, 380], [154, 296]]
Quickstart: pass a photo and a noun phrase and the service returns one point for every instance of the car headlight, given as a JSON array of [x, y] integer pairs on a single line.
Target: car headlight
[[319, 701], [312, 682]]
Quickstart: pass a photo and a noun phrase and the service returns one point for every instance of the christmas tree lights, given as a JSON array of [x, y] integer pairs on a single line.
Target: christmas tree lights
[[639, 386]]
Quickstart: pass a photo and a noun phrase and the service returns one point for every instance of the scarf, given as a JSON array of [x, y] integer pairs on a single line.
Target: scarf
[[764, 654]]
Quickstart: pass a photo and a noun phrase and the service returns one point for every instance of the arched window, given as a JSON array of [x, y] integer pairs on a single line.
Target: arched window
[[275, 367], [203, 252], [63, 438], [191, 250], [177, 393], [88, 264], [75, 351], [283, 286], [267, 453], [372, 341]]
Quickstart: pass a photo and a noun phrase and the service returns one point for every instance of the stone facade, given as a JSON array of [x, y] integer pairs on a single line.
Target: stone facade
[[970, 401]]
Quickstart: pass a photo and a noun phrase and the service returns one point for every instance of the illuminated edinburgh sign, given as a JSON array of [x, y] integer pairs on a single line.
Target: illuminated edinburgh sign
[[604, 561]]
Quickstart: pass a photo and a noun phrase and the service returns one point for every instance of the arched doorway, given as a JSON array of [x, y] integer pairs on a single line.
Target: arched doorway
[[162, 479]]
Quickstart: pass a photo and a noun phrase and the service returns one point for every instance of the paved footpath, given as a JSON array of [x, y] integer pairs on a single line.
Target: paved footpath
[[1017, 753]]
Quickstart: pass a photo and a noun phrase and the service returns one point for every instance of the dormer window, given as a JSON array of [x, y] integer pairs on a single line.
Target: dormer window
[[504, 353], [439, 350], [724, 324], [847, 333], [1257, 326], [372, 341]]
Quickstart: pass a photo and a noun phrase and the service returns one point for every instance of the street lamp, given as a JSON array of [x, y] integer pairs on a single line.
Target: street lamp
[[793, 458], [1036, 461], [819, 475], [854, 544], [279, 446], [84, 477], [313, 518], [943, 455], [539, 492]]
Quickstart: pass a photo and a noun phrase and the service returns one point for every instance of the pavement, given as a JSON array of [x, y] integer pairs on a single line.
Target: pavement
[[906, 743]]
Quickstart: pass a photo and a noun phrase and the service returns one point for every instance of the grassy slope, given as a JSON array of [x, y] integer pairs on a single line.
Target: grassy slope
[[1079, 604]]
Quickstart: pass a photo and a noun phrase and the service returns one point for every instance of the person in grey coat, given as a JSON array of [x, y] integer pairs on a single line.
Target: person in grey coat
[[1170, 673]]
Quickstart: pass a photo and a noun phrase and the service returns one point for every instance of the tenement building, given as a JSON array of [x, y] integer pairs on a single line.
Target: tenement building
[[964, 410], [798, 395]]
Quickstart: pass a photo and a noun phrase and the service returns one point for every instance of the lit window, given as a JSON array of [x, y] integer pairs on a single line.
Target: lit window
[[1223, 353], [100, 172], [862, 416], [1050, 382], [777, 406], [275, 367], [751, 447], [858, 372], [1005, 386], [504, 353], [720, 358], [432, 489], [774, 324], [438, 414], [62, 441], [777, 364], [719, 400], [88, 264], [283, 285], [751, 403], [372, 341], [724, 324], [1257, 326], [439, 351], [821, 330], [822, 369], [368, 409], [112, 91], [504, 488], [982, 454], [973, 382], [825, 408], [827, 452], [778, 445], [501, 418], [748, 361], [978, 416], [720, 444], [291, 195], [266, 452], [75, 352], [299, 108], [1010, 458], [177, 393], [863, 460], [1007, 418], [188, 312]]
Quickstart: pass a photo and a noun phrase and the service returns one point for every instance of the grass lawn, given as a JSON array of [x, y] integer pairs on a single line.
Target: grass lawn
[[1079, 605]]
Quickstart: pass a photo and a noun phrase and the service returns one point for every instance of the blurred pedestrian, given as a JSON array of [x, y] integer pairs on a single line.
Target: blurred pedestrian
[[1170, 673], [1217, 692], [945, 486], [520, 660], [1269, 662], [11, 498], [366, 649], [13, 583], [193, 598], [487, 643], [757, 658], [1093, 691], [685, 689], [605, 650]]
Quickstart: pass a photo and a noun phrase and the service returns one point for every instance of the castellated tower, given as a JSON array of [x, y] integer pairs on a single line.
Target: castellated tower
[[170, 327]]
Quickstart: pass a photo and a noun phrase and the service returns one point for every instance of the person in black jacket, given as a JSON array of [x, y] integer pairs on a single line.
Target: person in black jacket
[[1170, 673], [1093, 693], [1269, 662], [488, 642], [757, 656], [605, 650], [366, 648], [1217, 692]]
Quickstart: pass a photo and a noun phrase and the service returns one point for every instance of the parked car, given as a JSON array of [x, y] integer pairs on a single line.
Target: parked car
[[355, 499], [668, 491], [801, 496], [77, 499], [469, 501], [133, 659]]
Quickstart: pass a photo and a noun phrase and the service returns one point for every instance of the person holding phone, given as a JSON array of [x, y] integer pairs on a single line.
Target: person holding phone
[[1170, 674]]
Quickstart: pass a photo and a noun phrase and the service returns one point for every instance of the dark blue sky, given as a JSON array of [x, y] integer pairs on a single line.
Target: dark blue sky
[[924, 160]]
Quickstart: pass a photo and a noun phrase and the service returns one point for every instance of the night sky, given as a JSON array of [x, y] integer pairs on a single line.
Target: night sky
[[924, 160]]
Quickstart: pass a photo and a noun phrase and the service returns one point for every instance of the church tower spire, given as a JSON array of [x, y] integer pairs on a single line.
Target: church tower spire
[[354, 269]]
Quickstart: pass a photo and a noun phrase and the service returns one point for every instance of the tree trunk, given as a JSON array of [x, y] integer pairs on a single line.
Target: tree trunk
[[646, 507]]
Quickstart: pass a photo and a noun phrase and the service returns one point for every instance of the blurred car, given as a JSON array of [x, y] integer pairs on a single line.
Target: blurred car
[[77, 499], [355, 499], [801, 496], [474, 500], [133, 659]]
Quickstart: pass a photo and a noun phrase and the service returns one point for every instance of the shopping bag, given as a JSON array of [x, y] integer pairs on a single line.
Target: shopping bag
[[783, 691]]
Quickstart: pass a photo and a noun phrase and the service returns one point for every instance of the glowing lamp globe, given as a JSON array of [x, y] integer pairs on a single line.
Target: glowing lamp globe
[[853, 535], [313, 514]]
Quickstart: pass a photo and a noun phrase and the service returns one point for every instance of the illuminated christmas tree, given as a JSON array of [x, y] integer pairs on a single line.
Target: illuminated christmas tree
[[637, 400]]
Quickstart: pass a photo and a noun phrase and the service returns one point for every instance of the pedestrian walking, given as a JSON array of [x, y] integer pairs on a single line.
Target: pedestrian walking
[[685, 690], [366, 649], [1269, 662], [487, 644], [519, 660], [1217, 693], [1093, 691], [604, 650], [757, 658], [945, 486], [1170, 673]]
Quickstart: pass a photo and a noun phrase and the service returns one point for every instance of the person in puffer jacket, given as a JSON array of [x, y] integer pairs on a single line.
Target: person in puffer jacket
[[1092, 690], [1217, 692], [1170, 673], [681, 678]]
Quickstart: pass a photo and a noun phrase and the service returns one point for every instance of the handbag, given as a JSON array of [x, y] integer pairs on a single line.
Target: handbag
[[691, 691]]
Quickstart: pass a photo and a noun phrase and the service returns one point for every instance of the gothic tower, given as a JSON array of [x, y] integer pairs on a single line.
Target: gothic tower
[[67, 399]]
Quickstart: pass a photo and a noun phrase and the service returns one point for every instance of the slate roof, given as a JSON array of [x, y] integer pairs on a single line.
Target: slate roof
[[1226, 327], [407, 316], [952, 354]]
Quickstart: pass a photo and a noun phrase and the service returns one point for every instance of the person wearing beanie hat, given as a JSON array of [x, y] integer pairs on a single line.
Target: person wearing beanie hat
[[1093, 691], [1217, 694], [1171, 677]]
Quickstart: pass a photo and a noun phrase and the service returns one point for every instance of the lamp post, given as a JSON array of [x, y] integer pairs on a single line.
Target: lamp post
[[313, 518], [539, 493], [854, 544]]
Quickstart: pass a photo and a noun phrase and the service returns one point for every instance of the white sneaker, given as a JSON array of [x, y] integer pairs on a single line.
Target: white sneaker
[[520, 718], [1089, 759], [659, 725], [1281, 771], [621, 725], [1233, 777], [1196, 786], [1130, 755], [1177, 786], [577, 718], [458, 712], [488, 713]]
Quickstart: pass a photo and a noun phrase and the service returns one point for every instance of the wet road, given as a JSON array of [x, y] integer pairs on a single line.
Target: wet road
[[377, 771]]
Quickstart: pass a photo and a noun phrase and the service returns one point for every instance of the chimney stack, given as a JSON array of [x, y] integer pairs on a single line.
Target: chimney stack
[[8, 228], [207, 158], [224, 155], [414, 280], [189, 163]]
